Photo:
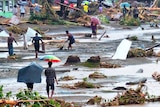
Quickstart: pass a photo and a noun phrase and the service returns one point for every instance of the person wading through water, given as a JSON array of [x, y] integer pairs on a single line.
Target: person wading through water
[[70, 39]]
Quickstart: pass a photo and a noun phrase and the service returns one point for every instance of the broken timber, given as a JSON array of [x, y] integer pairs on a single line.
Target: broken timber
[[153, 47], [102, 35]]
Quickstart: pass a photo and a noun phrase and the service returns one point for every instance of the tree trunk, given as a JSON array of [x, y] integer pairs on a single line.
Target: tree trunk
[[62, 8], [155, 3]]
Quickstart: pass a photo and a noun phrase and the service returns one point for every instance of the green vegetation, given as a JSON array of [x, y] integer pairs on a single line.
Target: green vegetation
[[130, 21], [90, 64], [103, 19], [133, 38]]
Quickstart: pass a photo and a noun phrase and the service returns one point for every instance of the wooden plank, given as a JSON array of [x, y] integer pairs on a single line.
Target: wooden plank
[[153, 47], [102, 35]]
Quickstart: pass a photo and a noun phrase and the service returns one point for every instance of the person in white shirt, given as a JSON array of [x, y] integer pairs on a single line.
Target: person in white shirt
[[22, 10], [15, 10]]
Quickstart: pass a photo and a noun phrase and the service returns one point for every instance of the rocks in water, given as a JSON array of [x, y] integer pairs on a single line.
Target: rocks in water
[[140, 70], [94, 59], [109, 65], [142, 80], [73, 59]]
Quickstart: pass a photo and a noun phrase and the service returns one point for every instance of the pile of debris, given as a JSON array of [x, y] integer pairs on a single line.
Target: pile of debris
[[139, 53], [97, 75], [130, 96]]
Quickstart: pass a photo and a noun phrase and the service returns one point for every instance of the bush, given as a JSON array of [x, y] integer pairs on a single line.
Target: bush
[[130, 21]]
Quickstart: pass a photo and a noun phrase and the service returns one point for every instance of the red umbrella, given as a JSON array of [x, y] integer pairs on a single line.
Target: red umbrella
[[95, 20]]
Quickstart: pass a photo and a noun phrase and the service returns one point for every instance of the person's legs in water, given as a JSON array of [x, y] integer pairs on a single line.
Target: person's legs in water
[[29, 86], [36, 50], [69, 46], [52, 88], [10, 50], [47, 88]]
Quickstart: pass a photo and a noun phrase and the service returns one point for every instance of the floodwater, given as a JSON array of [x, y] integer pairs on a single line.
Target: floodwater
[[85, 48]]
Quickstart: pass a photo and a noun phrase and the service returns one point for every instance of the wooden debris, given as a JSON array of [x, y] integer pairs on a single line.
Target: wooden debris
[[97, 75], [94, 100], [156, 76], [109, 65], [139, 53], [128, 97], [66, 78]]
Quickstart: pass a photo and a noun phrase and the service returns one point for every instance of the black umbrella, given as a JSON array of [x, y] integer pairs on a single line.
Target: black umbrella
[[30, 74]]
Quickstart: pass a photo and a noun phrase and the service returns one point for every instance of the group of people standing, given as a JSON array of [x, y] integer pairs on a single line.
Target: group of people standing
[[132, 11], [19, 10]]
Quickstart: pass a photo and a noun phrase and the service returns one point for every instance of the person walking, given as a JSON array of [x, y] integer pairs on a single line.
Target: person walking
[[36, 43], [124, 11], [70, 39], [22, 10], [100, 8], [50, 79], [15, 10], [135, 12], [10, 44]]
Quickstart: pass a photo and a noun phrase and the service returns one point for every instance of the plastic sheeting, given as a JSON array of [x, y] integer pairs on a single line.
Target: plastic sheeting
[[31, 33], [122, 50], [4, 34], [14, 20]]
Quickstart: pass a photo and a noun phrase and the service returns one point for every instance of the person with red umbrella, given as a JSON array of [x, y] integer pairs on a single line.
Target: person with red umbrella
[[50, 79]]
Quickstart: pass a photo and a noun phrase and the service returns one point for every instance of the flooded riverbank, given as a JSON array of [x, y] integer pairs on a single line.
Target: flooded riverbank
[[85, 48]]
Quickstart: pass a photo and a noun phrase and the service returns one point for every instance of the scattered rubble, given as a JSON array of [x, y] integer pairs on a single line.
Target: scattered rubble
[[97, 75]]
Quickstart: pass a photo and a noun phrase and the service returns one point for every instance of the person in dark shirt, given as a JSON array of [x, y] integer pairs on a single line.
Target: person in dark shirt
[[10, 44], [70, 39], [36, 43], [50, 79]]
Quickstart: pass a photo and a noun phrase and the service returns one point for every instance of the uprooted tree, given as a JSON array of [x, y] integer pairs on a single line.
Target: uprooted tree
[[47, 14]]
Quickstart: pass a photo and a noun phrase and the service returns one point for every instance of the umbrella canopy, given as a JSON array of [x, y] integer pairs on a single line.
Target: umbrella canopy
[[85, 2], [30, 74], [50, 58], [95, 20], [125, 4]]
